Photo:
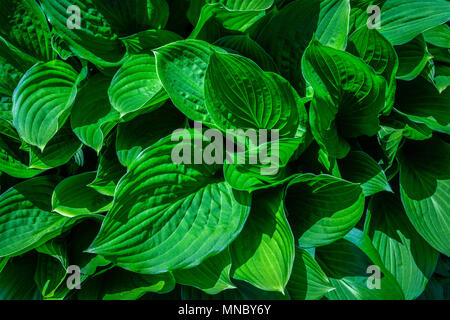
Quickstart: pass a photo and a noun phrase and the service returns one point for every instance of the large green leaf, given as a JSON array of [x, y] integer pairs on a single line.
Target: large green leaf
[[167, 216], [235, 85], [181, 67], [333, 25], [263, 253], [378, 53], [348, 95], [212, 275], [25, 218], [413, 57], [403, 251], [403, 20], [73, 196], [424, 185], [136, 85], [438, 36], [42, 101], [25, 27], [308, 281], [346, 262], [322, 209], [359, 167], [93, 117], [421, 102], [144, 41]]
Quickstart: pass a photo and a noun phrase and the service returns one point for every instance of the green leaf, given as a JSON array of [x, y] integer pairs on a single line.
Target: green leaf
[[25, 218], [308, 281], [51, 267], [322, 209], [333, 25], [60, 149], [25, 28], [420, 101], [42, 101], [348, 96], [403, 20], [212, 275], [442, 77], [424, 185], [92, 116], [263, 253], [377, 52], [413, 56], [73, 196], [239, 95], [136, 85], [181, 67], [133, 136], [16, 279], [403, 251], [346, 262], [144, 41], [359, 167], [438, 36], [157, 195], [244, 45], [119, 284]]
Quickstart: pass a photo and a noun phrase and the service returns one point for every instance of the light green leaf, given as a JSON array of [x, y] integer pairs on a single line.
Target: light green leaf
[[308, 281], [322, 209], [73, 197], [348, 95], [212, 275], [438, 36], [442, 77], [144, 41], [403, 251], [92, 116], [424, 185], [42, 101], [359, 167], [187, 214], [403, 20], [333, 25], [346, 262], [136, 85], [413, 57], [263, 253]]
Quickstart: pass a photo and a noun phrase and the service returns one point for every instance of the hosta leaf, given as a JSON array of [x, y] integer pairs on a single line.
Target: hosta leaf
[[109, 170], [94, 38], [42, 101], [25, 218], [136, 85], [181, 67], [250, 292], [16, 279], [442, 77], [403, 20], [25, 27], [359, 167], [51, 267], [348, 96], [333, 25], [438, 36], [413, 56], [144, 41], [191, 293], [188, 214], [420, 101], [308, 281], [93, 117], [244, 45], [263, 253], [346, 264], [12, 160], [378, 53], [60, 149], [212, 275], [133, 136], [118, 284], [250, 177], [322, 209], [403, 251], [239, 95], [424, 185], [73, 196]]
